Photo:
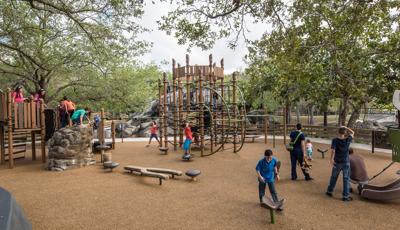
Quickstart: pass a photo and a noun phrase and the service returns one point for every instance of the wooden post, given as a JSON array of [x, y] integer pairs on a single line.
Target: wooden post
[[2, 147], [42, 131], [102, 125], [222, 107], [174, 107], [234, 111], [33, 145], [10, 131], [180, 112], [165, 111], [113, 134], [211, 79], [201, 105], [265, 124], [188, 99], [160, 112]]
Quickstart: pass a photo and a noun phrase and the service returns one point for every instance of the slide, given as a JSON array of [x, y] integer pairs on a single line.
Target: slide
[[390, 191]]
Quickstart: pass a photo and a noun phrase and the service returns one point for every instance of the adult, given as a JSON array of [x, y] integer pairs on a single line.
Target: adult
[[62, 111], [80, 114], [297, 155], [17, 95], [358, 170]]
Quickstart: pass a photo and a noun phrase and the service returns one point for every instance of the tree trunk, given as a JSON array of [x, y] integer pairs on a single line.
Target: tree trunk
[[288, 118], [297, 114], [312, 115], [325, 118], [343, 111], [354, 116]]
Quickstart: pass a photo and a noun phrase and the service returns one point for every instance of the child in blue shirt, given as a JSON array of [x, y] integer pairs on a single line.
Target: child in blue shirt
[[267, 171]]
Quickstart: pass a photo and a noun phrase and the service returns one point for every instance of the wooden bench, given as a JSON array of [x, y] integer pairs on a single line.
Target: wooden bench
[[160, 173]]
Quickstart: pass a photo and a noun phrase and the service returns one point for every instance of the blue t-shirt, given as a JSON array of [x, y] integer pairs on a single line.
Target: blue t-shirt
[[267, 169], [297, 144], [341, 147]]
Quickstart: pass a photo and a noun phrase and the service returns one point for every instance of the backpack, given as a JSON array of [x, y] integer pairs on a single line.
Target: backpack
[[290, 146]]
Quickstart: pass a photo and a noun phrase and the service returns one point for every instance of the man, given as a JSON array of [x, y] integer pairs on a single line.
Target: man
[[341, 162], [78, 116], [297, 155]]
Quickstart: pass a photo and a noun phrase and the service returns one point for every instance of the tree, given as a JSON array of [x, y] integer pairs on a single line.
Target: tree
[[51, 43]]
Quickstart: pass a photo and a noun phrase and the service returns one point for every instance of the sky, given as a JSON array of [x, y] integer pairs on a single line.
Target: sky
[[166, 47]]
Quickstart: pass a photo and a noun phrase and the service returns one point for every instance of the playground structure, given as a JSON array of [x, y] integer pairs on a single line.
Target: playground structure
[[200, 95], [20, 120]]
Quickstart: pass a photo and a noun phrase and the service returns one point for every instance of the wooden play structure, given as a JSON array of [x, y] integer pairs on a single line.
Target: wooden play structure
[[209, 100], [18, 121]]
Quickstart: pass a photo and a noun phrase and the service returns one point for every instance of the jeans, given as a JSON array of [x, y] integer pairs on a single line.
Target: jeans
[[345, 168], [271, 186], [297, 157]]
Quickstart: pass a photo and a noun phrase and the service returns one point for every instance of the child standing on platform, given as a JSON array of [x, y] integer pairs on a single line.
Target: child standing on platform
[[188, 141], [267, 172]]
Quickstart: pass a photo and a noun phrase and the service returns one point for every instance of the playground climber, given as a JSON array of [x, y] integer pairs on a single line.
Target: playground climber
[[80, 114], [298, 154], [340, 161], [17, 95], [267, 172], [153, 133], [188, 140]]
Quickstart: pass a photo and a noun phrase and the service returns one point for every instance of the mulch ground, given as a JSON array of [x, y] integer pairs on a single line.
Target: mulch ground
[[224, 197]]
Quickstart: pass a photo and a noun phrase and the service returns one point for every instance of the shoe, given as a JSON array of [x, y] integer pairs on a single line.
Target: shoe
[[294, 179], [279, 209], [309, 178], [147, 145], [329, 194], [347, 198]]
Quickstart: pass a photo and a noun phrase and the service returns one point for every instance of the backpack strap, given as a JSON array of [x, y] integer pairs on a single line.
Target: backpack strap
[[298, 135]]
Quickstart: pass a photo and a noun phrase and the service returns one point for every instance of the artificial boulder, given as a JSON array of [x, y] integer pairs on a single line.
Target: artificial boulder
[[70, 147]]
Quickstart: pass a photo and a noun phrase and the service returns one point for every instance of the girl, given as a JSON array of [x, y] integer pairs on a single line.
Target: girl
[[17, 95], [309, 149], [188, 141], [153, 133]]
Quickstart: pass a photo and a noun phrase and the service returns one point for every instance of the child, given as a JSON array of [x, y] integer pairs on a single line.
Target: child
[[340, 161], [78, 116], [153, 133], [309, 149], [17, 95], [188, 141], [267, 171]]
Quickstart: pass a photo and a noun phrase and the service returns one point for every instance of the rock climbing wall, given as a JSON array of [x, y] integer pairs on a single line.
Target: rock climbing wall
[[70, 147]]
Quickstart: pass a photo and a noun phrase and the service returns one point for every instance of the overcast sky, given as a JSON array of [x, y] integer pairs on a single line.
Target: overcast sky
[[166, 47]]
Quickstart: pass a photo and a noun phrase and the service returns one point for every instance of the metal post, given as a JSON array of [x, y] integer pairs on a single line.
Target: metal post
[[373, 141], [113, 134], [222, 108]]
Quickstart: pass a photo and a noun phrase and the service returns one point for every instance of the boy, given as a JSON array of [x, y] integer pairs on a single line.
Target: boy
[[78, 115], [267, 171], [340, 161]]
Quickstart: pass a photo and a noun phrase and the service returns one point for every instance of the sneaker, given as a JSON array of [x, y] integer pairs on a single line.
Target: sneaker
[[147, 145], [294, 179], [329, 194], [347, 198], [309, 178]]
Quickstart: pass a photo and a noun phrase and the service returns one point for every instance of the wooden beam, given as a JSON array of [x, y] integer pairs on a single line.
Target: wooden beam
[[10, 130], [42, 131]]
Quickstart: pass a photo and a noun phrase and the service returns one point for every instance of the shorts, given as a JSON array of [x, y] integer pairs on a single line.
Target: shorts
[[309, 152], [153, 135], [186, 144]]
